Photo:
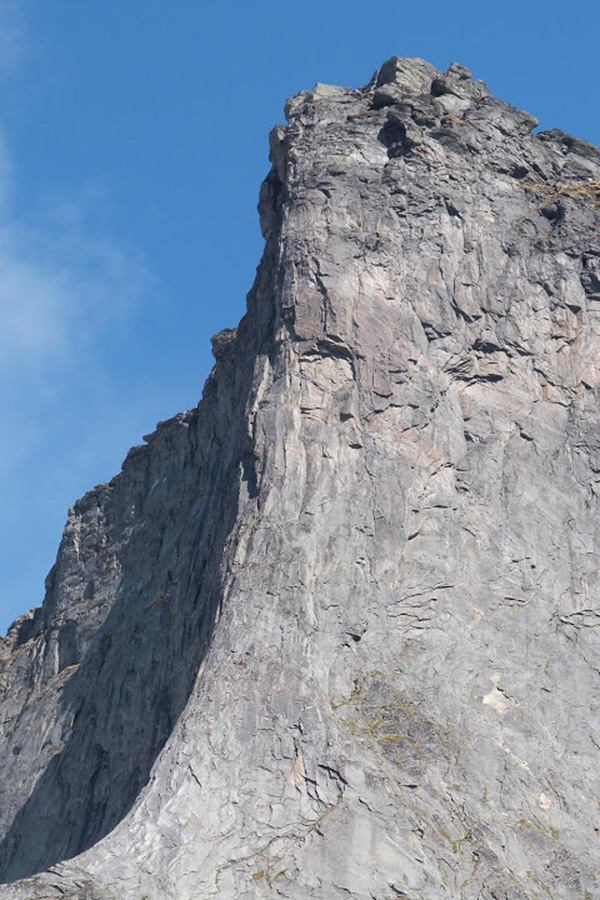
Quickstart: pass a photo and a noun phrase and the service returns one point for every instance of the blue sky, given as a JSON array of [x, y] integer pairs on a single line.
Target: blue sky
[[133, 139]]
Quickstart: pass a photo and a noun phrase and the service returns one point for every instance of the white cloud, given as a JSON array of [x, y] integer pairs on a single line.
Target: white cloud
[[69, 294], [12, 35], [61, 284], [63, 281], [71, 298]]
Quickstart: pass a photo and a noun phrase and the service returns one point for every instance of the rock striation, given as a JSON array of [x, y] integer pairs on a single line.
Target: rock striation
[[336, 632]]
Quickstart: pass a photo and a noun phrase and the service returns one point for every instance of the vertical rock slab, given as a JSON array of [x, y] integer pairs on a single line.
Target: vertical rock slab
[[358, 585]]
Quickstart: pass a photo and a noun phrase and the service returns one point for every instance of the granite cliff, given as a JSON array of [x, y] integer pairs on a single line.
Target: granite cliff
[[336, 632]]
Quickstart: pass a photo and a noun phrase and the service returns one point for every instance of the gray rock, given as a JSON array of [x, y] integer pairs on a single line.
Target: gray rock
[[411, 74], [335, 632]]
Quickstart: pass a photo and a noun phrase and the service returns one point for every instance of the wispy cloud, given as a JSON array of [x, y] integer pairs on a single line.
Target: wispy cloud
[[69, 293], [63, 280], [13, 42], [62, 284], [72, 296]]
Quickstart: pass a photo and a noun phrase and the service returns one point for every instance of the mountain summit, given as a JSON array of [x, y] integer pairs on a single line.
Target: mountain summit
[[335, 633]]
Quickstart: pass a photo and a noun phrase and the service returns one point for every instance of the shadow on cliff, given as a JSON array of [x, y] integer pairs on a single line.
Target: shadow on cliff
[[123, 700]]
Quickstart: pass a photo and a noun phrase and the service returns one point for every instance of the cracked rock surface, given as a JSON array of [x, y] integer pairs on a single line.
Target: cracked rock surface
[[336, 632]]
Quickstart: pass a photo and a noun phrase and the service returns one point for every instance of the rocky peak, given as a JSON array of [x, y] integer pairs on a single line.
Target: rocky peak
[[333, 633]]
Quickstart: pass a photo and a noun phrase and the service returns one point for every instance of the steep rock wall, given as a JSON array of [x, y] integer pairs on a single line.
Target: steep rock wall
[[390, 493]]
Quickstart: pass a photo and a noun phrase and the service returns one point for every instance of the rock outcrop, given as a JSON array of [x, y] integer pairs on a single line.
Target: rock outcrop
[[336, 632]]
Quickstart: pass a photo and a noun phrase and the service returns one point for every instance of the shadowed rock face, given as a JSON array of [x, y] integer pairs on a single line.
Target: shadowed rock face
[[336, 631]]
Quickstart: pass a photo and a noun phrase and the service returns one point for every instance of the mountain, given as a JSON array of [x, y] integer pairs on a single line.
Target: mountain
[[336, 632]]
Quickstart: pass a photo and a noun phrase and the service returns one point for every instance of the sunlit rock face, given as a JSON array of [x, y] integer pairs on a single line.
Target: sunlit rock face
[[335, 632]]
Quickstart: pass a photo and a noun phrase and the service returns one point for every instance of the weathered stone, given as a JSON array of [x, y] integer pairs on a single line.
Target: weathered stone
[[335, 632], [410, 74], [457, 81]]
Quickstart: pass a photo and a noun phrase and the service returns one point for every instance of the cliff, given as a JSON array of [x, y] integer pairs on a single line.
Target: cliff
[[335, 632]]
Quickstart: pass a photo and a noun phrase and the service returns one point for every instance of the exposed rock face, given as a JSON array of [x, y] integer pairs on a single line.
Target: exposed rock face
[[336, 631]]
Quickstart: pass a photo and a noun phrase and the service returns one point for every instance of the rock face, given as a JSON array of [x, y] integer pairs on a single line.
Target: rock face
[[336, 632]]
